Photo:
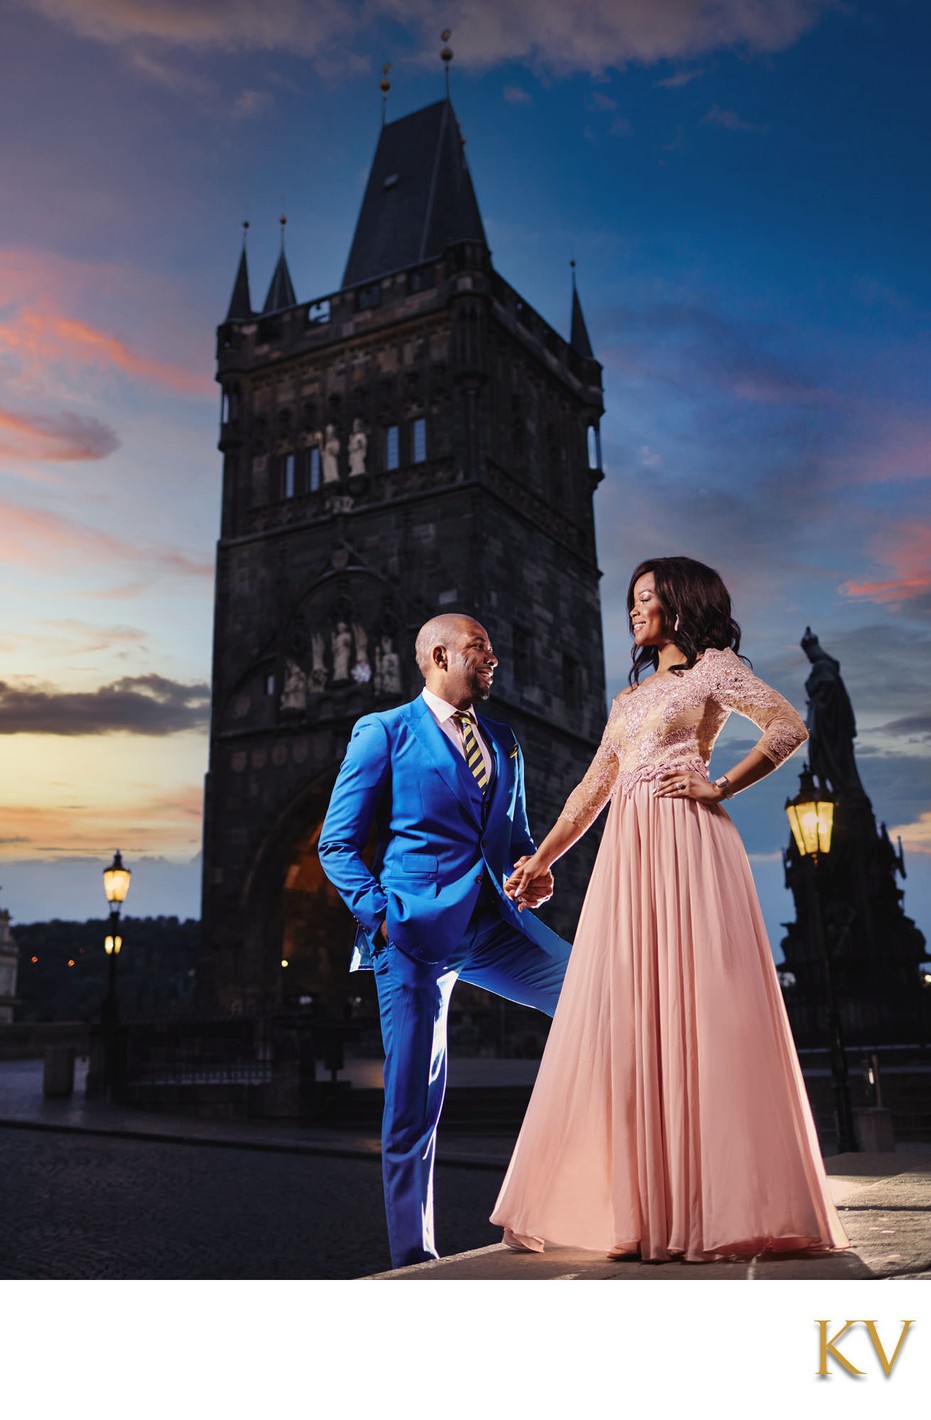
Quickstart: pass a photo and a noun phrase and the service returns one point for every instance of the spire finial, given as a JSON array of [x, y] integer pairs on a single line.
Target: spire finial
[[245, 229], [572, 264], [446, 55], [385, 86], [283, 222]]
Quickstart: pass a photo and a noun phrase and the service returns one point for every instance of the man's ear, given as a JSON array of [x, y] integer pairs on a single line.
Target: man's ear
[[439, 657]]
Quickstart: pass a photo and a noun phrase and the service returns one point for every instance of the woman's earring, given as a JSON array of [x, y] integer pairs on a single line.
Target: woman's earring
[[676, 624]]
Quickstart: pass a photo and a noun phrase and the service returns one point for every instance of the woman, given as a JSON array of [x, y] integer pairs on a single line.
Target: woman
[[669, 1116]]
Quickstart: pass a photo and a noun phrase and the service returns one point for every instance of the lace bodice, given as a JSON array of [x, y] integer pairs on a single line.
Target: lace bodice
[[672, 721]]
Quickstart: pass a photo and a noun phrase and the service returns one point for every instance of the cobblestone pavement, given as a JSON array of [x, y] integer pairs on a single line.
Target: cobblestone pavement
[[78, 1206]]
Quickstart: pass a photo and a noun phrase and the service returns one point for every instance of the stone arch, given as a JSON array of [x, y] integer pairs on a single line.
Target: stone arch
[[290, 912]]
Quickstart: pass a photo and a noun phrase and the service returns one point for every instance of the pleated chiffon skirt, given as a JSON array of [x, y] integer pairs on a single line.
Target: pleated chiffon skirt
[[669, 1116]]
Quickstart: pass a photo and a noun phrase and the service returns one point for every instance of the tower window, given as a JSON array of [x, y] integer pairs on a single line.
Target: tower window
[[391, 447], [313, 469], [594, 446], [287, 476], [418, 440]]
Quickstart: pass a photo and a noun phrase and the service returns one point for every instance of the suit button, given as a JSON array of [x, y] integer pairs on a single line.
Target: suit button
[[480, 878]]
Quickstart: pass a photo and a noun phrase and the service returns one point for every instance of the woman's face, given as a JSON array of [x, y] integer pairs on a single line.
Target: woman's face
[[647, 615]]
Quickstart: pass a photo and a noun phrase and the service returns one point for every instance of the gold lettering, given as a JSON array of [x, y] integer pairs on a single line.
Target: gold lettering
[[878, 1346], [831, 1346]]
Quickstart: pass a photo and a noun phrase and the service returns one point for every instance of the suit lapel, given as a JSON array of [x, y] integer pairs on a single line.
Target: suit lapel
[[443, 757]]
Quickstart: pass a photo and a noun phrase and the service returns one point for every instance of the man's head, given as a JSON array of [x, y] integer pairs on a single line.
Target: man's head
[[455, 659]]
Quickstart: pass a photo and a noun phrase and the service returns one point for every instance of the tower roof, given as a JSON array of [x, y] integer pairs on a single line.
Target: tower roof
[[241, 301], [578, 333], [281, 291], [419, 198]]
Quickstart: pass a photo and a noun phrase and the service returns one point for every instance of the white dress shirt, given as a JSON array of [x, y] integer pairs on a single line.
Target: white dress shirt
[[444, 713]]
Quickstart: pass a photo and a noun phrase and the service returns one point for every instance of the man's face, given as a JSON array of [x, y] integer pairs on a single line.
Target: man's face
[[470, 665]]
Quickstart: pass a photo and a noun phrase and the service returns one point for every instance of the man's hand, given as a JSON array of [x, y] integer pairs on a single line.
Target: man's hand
[[530, 884]]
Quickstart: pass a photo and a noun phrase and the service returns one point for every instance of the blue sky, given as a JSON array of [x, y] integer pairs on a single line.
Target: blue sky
[[743, 189]]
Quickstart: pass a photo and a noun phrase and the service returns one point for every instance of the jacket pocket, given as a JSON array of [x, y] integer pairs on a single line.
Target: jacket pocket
[[413, 863]]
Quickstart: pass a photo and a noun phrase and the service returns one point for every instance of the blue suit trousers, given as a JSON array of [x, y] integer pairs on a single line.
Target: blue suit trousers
[[413, 999]]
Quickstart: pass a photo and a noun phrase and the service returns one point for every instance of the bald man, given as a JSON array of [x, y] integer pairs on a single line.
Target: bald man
[[445, 789]]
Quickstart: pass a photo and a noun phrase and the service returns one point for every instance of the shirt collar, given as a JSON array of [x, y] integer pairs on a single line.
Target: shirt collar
[[442, 708]]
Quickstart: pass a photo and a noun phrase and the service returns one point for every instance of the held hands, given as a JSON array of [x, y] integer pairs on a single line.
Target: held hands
[[686, 784], [530, 884]]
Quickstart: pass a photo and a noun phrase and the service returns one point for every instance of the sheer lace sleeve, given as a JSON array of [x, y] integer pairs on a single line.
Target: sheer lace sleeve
[[589, 797], [739, 689]]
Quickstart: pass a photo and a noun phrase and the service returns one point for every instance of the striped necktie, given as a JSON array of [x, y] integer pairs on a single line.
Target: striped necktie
[[474, 757]]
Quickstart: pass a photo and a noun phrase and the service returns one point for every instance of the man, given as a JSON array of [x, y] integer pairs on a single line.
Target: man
[[446, 791]]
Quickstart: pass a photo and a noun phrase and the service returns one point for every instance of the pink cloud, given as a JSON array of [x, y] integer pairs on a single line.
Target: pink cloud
[[155, 821], [905, 550], [40, 335], [678, 81], [599, 35], [45, 331], [915, 836], [35, 536]]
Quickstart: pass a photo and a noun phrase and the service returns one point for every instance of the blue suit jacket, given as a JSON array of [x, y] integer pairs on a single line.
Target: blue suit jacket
[[436, 837]]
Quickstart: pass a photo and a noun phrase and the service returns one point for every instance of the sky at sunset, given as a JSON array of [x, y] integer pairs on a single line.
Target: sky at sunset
[[744, 189]]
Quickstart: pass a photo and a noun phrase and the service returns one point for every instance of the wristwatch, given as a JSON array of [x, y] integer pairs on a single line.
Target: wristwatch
[[724, 784]]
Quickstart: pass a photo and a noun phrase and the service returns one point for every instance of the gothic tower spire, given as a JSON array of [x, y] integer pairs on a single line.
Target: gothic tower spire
[[241, 301], [281, 292], [419, 199], [578, 334]]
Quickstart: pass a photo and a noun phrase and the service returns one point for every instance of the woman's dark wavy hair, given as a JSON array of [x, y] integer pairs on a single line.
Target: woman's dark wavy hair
[[696, 595]]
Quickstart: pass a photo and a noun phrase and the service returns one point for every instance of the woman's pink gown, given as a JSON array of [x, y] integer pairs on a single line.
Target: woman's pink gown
[[669, 1115]]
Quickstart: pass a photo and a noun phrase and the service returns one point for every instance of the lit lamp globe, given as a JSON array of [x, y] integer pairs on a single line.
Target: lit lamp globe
[[111, 946], [811, 818], [116, 882]]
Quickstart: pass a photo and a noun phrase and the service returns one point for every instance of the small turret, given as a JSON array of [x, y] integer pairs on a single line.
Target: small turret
[[281, 291], [241, 301], [578, 334]]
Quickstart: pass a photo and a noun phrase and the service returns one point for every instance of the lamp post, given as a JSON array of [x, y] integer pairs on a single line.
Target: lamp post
[[116, 885], [811, 818]]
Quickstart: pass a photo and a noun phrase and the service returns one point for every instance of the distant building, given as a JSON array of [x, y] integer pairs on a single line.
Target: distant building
[[9, 963], [419, 441]]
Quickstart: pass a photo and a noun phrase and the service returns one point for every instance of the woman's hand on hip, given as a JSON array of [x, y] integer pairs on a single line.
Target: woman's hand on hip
[[687, 784]]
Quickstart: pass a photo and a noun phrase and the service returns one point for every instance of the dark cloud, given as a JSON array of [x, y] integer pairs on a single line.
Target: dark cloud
[[62, 438], [912, 726], [727, 118], [141, 705]]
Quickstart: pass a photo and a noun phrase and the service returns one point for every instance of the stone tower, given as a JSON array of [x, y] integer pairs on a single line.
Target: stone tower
[[419, 441]]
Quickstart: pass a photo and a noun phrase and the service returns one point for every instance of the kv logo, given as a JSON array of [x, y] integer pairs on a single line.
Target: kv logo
[[829, 1347]]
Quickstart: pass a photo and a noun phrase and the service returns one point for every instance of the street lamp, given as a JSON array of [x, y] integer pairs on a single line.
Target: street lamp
[[116, 885], [811, 818]]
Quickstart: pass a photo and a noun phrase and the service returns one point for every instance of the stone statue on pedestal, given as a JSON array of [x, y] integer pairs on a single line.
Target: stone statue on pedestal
[[832, 728]]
